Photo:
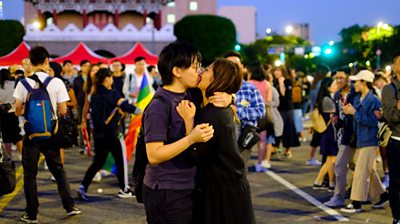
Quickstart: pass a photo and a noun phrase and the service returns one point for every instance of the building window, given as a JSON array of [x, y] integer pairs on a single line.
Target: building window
[[171, 4], [49, 21], [171, 18], [193, 6]]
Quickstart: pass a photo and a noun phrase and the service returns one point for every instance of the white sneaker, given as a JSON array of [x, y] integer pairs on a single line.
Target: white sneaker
[[266, 164], [126, 194], [97, 177], [351, 209], [335, 202], [52, 178], [313, 162], [260, 168]]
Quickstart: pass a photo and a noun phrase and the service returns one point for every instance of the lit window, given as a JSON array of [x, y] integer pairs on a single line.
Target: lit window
[[193, 6], [171, 18], [148, 20], [171, 4], [49, 21]]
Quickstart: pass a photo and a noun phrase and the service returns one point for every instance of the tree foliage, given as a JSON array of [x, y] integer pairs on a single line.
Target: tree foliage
[[11, 35], [213, 35]]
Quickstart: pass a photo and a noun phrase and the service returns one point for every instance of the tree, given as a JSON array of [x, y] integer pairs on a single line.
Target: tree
[[213, 35], [11, 35]]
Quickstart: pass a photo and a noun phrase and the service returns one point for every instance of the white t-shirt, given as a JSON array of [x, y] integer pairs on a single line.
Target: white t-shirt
[[56, 89]]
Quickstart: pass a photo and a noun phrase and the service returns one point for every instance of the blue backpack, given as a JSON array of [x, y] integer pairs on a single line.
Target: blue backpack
[[38, 110]]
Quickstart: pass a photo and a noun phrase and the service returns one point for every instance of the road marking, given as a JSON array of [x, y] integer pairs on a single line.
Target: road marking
[[5, 200], [308, 197]]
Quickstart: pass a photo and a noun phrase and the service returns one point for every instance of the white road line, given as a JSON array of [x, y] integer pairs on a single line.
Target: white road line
[[308, 197]]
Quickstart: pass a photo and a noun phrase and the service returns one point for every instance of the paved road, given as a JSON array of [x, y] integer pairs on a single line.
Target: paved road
[[273, 201]]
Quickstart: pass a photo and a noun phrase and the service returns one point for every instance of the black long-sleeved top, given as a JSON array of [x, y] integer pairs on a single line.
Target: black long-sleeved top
[[102, 105]]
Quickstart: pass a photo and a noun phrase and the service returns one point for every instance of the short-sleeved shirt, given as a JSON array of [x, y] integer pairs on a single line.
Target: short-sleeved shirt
[[159, 126], [56, 89]]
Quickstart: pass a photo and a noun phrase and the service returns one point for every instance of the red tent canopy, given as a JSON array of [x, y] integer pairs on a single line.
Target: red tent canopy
[[137, 50], [81, 52], [16, 56]]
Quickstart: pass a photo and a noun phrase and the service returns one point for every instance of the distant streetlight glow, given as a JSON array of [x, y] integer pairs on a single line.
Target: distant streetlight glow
[[328, 51], [278, 63], [306, 56], [289, 29], [36, 25], [268, 30], [331, 43], [388, 68], [237, 47], [351, 65], [368, 63]]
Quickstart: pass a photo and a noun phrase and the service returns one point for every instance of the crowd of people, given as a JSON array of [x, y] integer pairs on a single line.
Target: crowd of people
[[194, 125]]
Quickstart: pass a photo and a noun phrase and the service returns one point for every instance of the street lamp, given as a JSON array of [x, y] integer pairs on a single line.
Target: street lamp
[[289, 29], [268, 31], [36, 25]]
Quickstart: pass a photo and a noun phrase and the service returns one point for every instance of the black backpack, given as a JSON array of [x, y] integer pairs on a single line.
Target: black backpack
[[141, 160], [7, 172]]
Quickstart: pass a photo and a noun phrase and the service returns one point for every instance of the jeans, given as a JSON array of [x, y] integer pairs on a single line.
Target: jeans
[[393, 155], [30, 157]]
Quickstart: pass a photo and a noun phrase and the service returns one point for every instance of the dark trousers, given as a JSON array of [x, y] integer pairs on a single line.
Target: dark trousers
[[168, 206], [105, 145], [30, 157], [393, 156]]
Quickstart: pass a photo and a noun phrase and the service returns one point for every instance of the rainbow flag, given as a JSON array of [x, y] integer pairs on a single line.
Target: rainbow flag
[[144, 97]]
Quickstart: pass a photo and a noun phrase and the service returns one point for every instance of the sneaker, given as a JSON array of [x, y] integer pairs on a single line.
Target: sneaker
[[97, 177], [350, 208], [82, 193], [74, 211], [52, 178], [126, 194], [288, 155], [384, 199], [266, 164], [25, 218], [313, 162], [259, 168], [319, 187], [335, 202], [396, 221]]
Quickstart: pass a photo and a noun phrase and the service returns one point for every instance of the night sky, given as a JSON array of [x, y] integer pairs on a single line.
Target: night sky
[[326, 17]]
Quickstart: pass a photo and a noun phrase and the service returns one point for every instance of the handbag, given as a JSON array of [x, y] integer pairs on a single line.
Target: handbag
[[318, 122], [65, 133], [248, 137]]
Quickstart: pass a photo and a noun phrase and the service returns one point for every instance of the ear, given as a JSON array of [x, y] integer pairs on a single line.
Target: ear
[[46, 62], [176, 72]]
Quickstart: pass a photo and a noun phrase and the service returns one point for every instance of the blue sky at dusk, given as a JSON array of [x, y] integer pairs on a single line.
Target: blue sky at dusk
[[326, 17]]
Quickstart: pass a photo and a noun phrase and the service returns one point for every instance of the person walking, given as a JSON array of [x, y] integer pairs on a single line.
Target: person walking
[[58, 94]]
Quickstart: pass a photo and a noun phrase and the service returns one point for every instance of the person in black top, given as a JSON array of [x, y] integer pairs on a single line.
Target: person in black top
[[225, 192], [107, 107]]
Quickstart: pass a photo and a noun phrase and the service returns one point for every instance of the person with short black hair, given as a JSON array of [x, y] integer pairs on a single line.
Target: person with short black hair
[[133, 81], [31, 149], [68, 72], [155, 75]]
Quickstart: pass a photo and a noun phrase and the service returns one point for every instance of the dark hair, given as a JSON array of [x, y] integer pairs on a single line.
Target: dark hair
[[370, 87], [176, 54], [67, 62], [257, 72], [284, 71], [139, 58], [4, 76], [38, 55], [323, 92], [57, 69], [232, 54], [19, 72], [83, 62], [87, 87], [345, 69], [102, 74], [150, 67], [227, 77], [320, 74]]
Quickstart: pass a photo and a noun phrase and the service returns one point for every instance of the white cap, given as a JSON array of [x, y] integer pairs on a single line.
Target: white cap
[[365, 75]]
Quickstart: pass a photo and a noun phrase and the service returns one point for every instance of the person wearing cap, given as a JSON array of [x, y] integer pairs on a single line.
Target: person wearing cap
[[391, 112], [366, 112]]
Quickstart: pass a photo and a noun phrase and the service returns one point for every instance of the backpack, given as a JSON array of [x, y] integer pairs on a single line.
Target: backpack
[[7, 172], [384, 132], [65, 132], [296, 94], [318, 122], [38, 110], [141, 160]]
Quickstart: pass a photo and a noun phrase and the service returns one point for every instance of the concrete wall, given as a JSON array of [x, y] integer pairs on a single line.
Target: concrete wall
[[244, 18]]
